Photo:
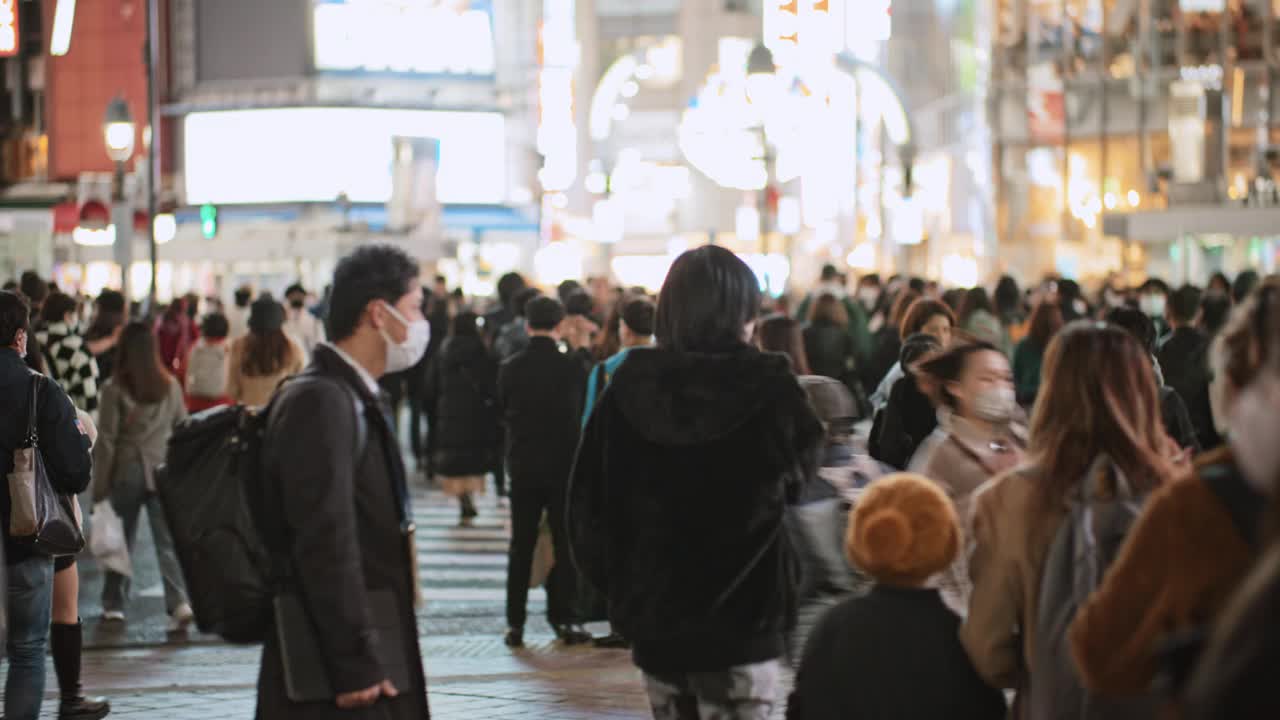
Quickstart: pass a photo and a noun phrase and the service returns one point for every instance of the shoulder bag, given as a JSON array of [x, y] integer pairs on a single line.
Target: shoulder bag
[[40, 516]]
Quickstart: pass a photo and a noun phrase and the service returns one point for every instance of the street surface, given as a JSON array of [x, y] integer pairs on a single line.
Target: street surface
[[471, 674]]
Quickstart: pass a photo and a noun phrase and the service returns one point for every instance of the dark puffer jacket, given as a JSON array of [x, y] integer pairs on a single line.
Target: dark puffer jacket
[[677, 500], [831, 352], [461, 402]]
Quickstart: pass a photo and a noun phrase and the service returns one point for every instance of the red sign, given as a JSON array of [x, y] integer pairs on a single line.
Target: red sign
[[8, 28]]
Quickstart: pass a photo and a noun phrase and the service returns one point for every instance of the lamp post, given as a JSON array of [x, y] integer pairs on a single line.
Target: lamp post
[[119, 133], [762, 80]]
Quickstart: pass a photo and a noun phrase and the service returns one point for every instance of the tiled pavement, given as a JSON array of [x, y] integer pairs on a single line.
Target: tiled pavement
[[471, 674]]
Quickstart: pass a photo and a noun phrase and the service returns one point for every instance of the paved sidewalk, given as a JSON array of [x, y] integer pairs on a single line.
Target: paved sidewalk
[[468, 679]]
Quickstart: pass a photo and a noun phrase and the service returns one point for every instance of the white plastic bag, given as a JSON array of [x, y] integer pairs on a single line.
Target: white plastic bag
[[107, 542]]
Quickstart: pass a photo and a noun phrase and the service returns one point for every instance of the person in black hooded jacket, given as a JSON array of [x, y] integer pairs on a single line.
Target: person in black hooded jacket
[[462, 412], [678, 494]]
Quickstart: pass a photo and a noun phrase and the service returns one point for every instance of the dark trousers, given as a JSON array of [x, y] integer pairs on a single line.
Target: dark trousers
[[528, 502]]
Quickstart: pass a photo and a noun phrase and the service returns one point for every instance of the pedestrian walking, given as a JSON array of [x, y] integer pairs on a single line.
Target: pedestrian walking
[[104, 331], [208, 366], [930, 317], [827, 342], [1028, 354], [64, 449], [887, 342], [678, 494], [636, 316], [174, 337], [540, 393], [462, 411], [1173, 409], [299, 324], [67, 357], [344, 520], [514, 336], [873, 655], [263, 357], [1195, 543], [977, 318], [780, 334], [1184, 360], [909, 417], [1099, 400], [141, 404]]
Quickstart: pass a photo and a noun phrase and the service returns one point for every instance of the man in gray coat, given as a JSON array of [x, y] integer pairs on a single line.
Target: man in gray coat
[[347, 530]]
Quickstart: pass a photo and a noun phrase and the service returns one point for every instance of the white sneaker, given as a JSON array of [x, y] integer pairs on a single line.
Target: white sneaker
[[114, 616], [181, 618]]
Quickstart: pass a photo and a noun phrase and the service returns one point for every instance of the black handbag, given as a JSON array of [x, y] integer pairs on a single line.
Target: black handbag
[[40, 516]]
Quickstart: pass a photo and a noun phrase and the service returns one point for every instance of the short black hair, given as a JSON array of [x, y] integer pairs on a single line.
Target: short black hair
[[1137, 324], [544, 313], [243, 295], [1244, 284], [368, 273], [1155, 284], [638, 315], [508, 286], [111, 301], [521, 299], [464, 324], [707, 300], [294, 288], [34, 287], [215, 325], [578, 303], [917, 284], [829, 272], [1007, 297], [1215, 308], [56, 306], [1184, 302], [15, 313], [568, 289]]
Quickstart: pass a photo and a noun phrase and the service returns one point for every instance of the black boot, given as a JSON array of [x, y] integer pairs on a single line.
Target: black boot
[[469, 511], [65, 642]]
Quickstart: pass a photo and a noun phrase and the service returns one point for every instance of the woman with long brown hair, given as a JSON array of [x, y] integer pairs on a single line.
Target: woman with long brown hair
[[827, 342], [141, 404], [1028, 354], [781, 334], [263, 357], [1098, 416]]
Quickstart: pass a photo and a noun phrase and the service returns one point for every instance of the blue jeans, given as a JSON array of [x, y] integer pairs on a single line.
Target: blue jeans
[[30, 612]]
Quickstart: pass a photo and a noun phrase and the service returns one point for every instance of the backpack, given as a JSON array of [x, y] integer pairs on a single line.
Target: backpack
[[207, 371], [214, 493], [1085, 545]]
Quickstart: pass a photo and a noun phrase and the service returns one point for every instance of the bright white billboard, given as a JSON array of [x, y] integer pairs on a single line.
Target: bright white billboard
[[406, 36], [316, 154]]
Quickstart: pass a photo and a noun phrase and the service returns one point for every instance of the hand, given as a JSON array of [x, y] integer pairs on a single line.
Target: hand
[[367, 697]]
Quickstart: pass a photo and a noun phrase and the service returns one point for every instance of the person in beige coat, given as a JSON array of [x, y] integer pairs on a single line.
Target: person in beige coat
[[1099, 399], [264, 357], [981, 434]]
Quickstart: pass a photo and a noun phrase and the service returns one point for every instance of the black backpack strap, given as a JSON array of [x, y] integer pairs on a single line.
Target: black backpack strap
[[1241, 502]]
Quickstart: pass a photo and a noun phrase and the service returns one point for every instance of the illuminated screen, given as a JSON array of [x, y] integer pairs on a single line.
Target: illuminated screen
[[315, 154], [444, 37]]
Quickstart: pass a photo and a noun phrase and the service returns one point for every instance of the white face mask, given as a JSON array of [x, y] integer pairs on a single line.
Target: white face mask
[[869, 296], [404, 355], [995, 404], [1253, 433], [1152, 305]]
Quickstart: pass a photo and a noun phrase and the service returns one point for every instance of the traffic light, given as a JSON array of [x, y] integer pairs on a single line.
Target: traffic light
[[208, 221]]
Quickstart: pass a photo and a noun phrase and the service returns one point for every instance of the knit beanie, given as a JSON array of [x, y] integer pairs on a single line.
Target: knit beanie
[[903, 530]]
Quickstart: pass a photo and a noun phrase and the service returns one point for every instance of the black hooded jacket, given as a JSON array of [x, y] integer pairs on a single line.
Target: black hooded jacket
[[677, 499], [462, 408]]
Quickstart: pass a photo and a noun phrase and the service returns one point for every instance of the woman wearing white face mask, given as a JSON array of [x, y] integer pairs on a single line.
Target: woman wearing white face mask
[[981, 432]]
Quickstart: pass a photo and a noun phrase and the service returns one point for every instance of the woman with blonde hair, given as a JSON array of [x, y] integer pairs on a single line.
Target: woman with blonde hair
[[1097, 418]]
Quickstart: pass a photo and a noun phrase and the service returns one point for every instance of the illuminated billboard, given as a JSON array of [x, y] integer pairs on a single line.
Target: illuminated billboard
[[430, 37], [316, 154]]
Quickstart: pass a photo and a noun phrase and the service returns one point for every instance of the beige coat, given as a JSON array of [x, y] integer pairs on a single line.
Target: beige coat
[[130, 432], [1011, 537], [257, 389], [961, 457]]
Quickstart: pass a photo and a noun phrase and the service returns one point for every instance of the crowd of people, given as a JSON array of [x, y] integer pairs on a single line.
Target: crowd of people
[[1035, 502]]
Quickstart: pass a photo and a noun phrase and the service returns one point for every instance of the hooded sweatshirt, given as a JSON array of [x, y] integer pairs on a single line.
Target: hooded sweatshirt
[[677, 499]]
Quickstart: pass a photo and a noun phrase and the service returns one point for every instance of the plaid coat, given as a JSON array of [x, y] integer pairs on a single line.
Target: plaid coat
[[71, 364]]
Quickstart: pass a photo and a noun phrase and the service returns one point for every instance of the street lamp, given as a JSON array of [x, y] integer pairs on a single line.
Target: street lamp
[[119, 133]]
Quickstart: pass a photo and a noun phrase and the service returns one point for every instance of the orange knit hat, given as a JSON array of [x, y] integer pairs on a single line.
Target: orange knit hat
[[903, 530]]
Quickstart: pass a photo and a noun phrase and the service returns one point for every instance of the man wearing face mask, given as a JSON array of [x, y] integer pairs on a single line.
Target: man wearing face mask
[[299, 323], [345, 505]]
